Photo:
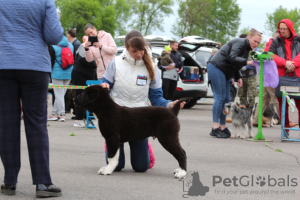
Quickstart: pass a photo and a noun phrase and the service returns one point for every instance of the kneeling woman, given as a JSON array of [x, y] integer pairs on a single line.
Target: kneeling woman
[[133, 78]]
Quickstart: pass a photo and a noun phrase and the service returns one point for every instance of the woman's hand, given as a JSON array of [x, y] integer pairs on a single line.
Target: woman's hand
[[174, 102], [105, 85], [97, 44], [250, 62], [239, 83], [87, 45]]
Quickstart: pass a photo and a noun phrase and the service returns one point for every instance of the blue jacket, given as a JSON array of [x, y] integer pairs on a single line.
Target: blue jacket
[[25, 28], [57, 71]]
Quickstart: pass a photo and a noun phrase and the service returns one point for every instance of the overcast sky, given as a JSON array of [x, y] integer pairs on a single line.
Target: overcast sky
[[253, 15]]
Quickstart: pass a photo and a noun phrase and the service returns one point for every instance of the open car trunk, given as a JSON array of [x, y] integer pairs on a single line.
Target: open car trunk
[[189, 61]]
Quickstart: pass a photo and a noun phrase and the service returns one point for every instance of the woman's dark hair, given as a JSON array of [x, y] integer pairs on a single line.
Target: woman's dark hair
[[89, 26], [135, 40]]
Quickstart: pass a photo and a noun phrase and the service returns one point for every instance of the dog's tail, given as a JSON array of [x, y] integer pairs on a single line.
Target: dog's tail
[[176, 107]]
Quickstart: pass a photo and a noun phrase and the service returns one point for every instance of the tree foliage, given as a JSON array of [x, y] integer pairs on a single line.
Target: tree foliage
[[282, 13], [212, 19], [148, 15], [75, 14]]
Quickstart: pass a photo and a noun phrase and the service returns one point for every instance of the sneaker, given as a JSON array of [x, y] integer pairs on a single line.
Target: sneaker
[[44, 191], [52, 117], [79, 124], [214, 132], [219, 133], [62, 119], [152, 157], [227, 132]]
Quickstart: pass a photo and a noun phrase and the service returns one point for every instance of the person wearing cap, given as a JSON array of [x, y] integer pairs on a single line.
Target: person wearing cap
[[164, 58]]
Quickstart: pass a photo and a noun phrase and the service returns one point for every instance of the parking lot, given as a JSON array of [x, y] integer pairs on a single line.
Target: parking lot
[[230, 168]]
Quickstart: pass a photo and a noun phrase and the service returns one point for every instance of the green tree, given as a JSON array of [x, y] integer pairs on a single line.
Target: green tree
[[148, 15], [75, 14], [212, 19], [282, 13]]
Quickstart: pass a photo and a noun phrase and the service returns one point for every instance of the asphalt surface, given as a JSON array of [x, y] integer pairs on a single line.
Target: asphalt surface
[[75, 160]]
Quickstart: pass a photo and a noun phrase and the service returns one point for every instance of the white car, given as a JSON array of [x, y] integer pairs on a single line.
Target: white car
[[200, 51]]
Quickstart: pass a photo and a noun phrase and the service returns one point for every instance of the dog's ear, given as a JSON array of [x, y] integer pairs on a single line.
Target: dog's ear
[[247, 106], [237, 104]]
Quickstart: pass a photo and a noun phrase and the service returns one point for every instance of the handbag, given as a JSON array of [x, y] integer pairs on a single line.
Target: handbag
[[287, 80]]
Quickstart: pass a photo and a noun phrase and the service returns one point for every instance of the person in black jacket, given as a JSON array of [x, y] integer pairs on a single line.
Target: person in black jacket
[[82, 72], [71, 35], [225, 65]]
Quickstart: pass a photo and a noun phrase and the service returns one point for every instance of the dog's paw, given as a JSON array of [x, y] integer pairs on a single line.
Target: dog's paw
[[179, 173], [177, 170], [233, 136], [251, 135], [104, 170], [242, 137]]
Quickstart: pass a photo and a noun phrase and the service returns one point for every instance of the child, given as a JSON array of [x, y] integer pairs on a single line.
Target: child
[[164, 58]]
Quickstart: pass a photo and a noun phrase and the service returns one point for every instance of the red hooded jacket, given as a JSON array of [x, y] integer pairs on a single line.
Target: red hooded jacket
[[288, 51], [268, 44]]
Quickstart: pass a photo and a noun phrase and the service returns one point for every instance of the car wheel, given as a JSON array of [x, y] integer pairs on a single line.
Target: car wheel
[[190, 103], [232, 93]]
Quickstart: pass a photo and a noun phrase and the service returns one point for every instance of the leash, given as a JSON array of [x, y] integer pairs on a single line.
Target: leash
[[67, 86]]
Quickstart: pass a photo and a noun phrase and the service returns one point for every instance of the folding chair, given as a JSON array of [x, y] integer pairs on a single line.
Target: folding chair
[[88, 116]]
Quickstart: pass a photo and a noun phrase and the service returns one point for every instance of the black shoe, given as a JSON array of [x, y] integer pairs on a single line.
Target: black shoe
[[227, 132], [43, 190], [8, 189], [215, 132]]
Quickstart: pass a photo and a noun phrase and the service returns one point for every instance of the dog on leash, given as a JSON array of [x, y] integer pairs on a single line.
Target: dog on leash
[[120, 124], [240, 118]]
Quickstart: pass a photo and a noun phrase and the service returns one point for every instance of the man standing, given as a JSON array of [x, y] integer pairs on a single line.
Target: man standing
[[71, 35], [269, 92], [170, 75], [286, 48]]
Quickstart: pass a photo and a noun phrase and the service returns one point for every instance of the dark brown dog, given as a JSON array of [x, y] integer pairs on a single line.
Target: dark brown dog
[[120, 124]]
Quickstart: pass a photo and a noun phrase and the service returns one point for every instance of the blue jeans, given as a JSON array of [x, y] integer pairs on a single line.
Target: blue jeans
[[221, 88], [139, 155]]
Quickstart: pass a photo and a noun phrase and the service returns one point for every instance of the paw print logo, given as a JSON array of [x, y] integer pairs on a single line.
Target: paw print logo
[[261, 181]]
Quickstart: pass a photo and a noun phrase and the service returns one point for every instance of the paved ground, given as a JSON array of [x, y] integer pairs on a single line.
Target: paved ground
[[75, 161]]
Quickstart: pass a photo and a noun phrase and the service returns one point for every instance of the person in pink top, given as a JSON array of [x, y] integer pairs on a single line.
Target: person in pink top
[[102, 51]]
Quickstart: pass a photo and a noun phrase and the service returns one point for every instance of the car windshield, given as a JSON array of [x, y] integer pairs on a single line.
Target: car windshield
[[203, 56]]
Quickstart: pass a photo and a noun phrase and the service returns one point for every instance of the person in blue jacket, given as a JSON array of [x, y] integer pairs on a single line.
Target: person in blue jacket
[[25, 29], [60, 76]]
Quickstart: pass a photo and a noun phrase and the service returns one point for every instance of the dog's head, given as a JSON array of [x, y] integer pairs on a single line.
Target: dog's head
[[91, 97], [227, 108]]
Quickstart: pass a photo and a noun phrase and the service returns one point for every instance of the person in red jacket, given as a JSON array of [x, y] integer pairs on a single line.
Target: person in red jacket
[[286, 48]]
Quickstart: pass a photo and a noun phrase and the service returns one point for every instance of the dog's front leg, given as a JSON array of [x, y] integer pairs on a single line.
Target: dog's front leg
[[271, 122], [112, 164], [234, 129], [242, 130]]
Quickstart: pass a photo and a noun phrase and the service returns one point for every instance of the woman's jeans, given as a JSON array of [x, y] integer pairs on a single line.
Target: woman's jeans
[[221, 88], [139, 156]]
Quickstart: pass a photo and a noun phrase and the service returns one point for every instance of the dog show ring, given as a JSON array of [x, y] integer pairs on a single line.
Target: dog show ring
[[261, 57]]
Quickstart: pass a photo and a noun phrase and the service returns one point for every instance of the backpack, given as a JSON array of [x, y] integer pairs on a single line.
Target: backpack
[[67, 57]]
